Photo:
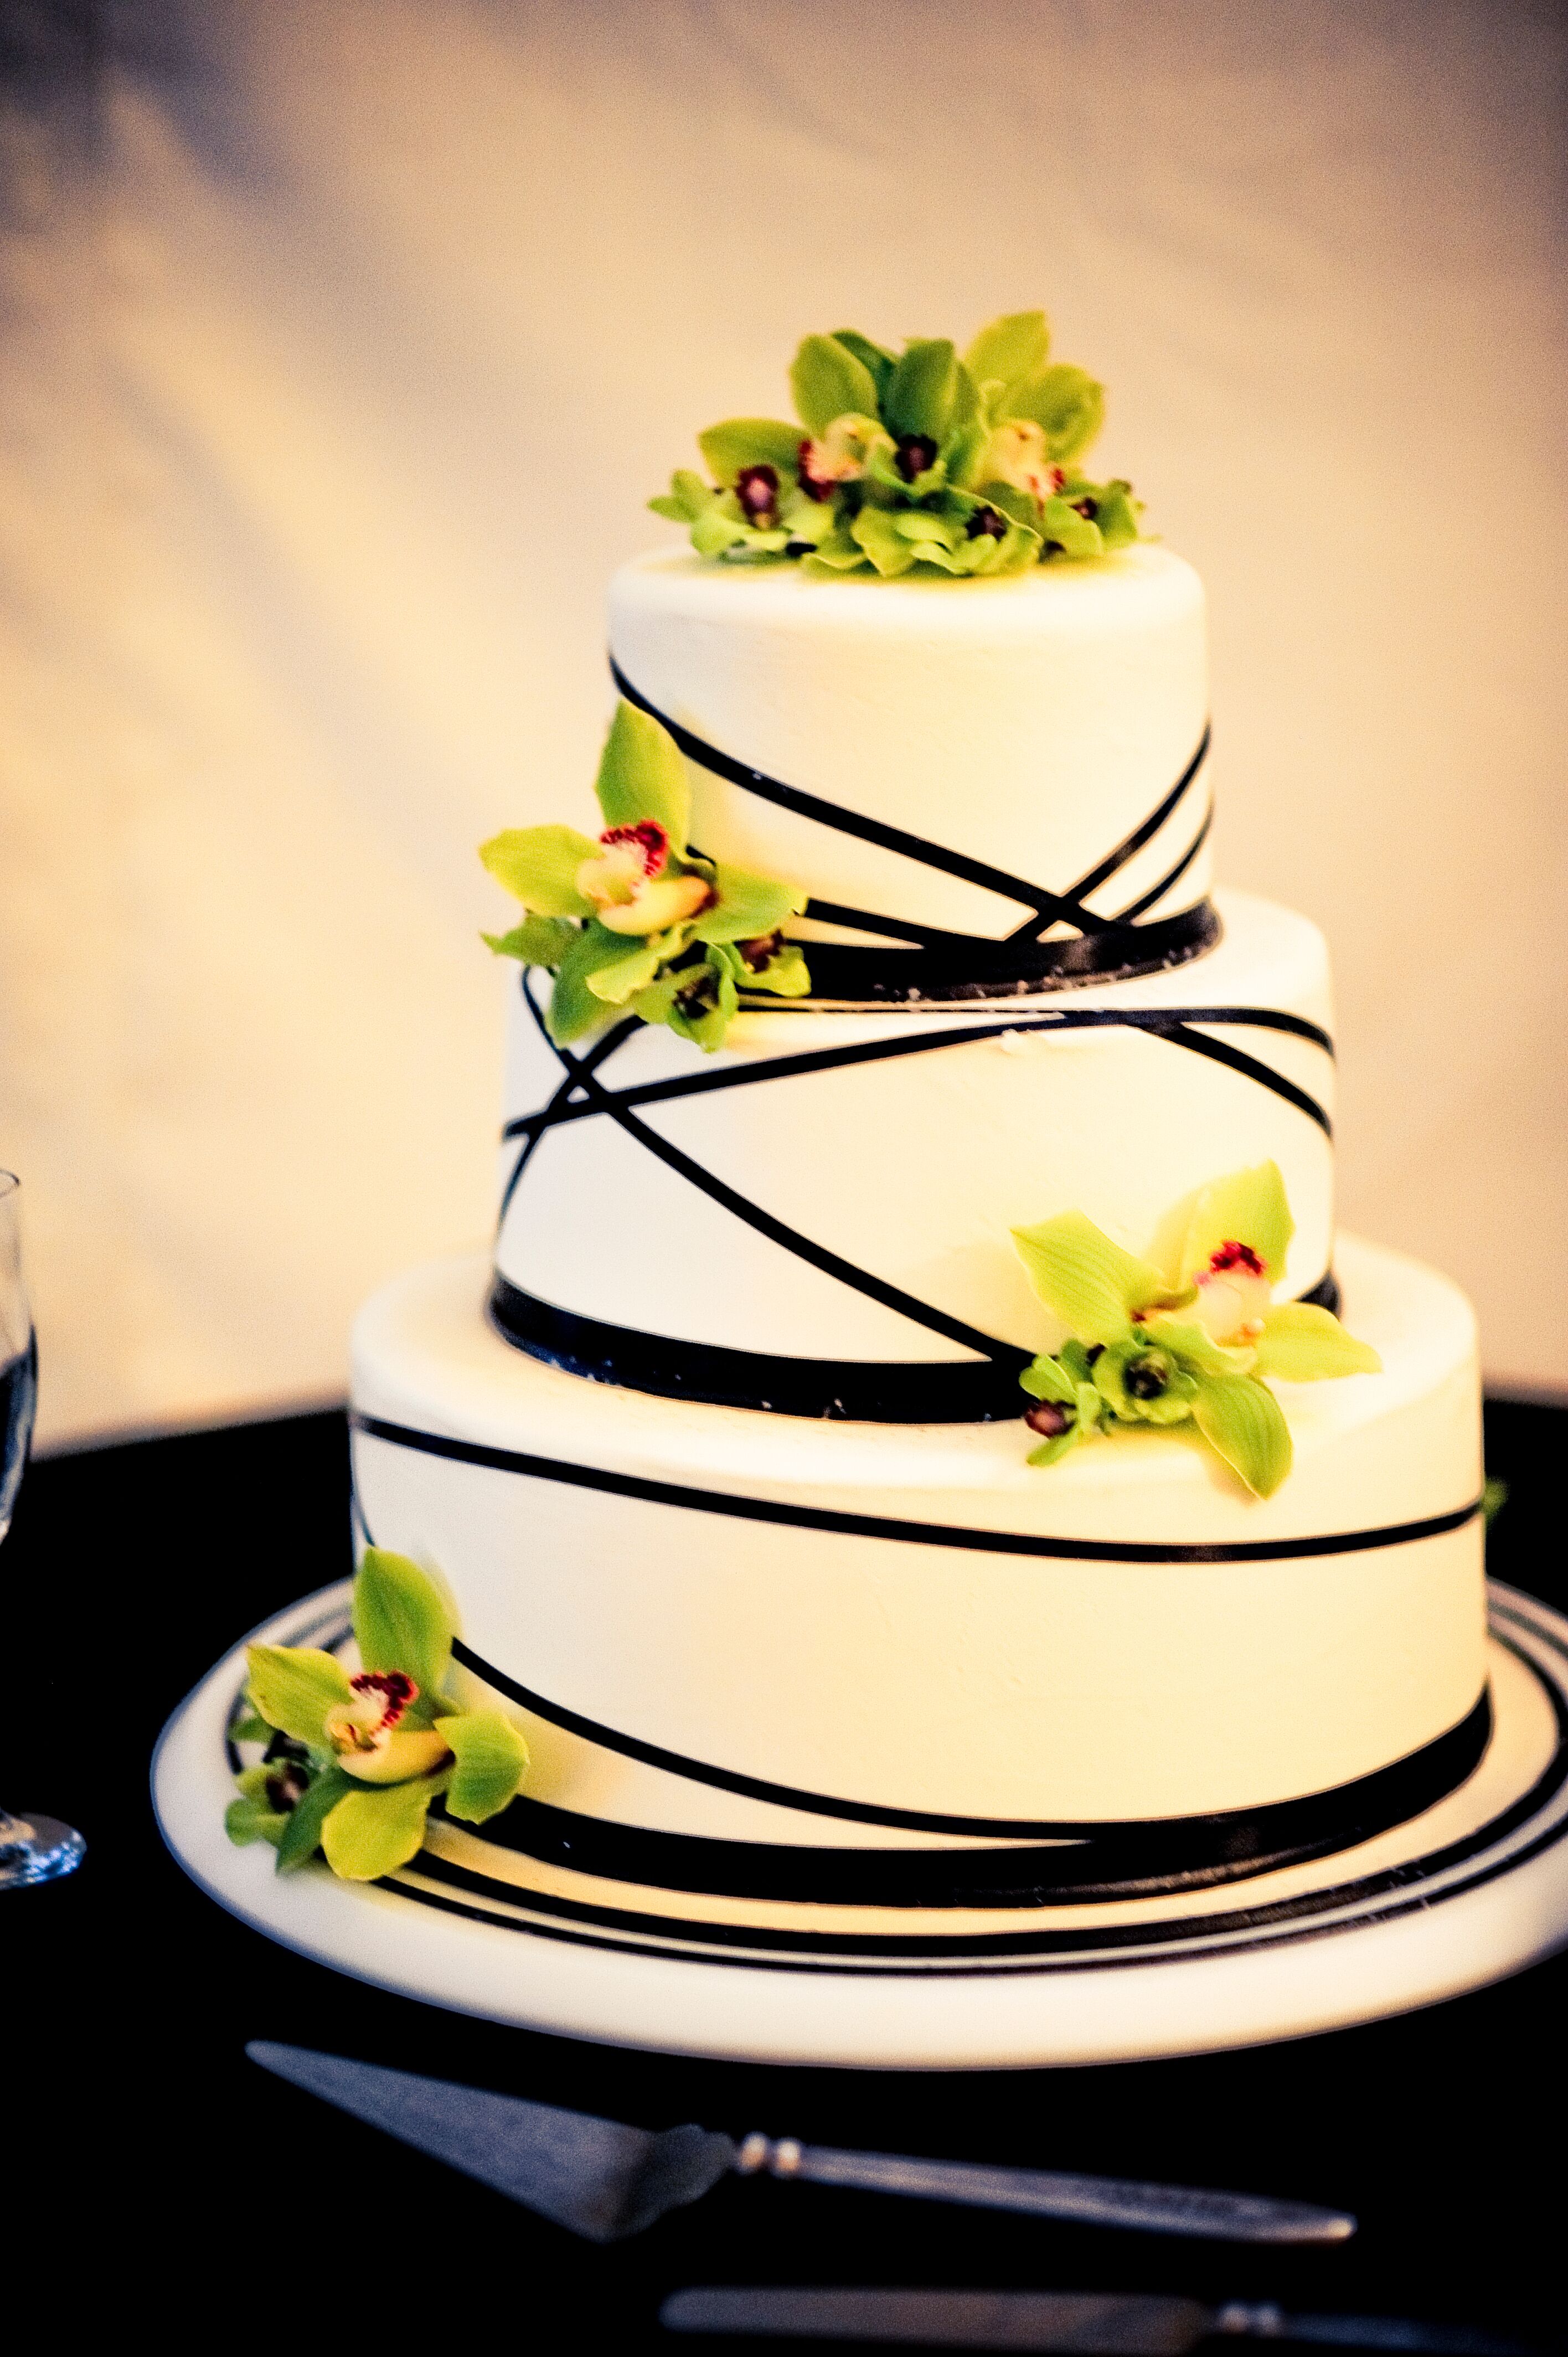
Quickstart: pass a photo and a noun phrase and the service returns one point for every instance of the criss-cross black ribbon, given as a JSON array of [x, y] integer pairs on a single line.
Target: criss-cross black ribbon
[[920, 1392], [935, 963]]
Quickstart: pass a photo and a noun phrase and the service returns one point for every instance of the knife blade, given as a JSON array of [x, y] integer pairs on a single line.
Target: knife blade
[[605, 2179], [1108, 2324]]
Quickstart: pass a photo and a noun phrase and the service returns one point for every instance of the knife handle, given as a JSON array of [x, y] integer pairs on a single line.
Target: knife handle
[[1047, 2193]]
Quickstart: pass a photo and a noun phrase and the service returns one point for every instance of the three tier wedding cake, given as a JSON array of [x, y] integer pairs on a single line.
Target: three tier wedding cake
[[921, 1453]]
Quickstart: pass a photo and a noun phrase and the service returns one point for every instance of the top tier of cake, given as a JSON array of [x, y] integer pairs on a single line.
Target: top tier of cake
[[1042, 732]]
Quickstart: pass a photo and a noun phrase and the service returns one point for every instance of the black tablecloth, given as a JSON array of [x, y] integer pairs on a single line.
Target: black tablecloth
[[140, 2127]]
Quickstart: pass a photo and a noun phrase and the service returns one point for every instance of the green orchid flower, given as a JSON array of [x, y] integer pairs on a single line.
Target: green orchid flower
[[1194, 1343], [353, 1760], [637, 918], [963, 465]]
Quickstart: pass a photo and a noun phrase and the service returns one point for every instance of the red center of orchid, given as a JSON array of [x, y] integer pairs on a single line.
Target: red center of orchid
[[395, 1688], [757, 489], [1231, 1255], [647, 836]]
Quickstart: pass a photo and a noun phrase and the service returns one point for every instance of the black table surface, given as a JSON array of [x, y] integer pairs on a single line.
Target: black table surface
[[142, 2129]]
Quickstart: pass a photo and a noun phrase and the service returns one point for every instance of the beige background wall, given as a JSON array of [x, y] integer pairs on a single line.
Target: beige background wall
[[343, 339]]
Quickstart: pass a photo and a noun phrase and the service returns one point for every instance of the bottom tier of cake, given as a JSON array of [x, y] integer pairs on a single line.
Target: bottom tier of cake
[[837, 1663]]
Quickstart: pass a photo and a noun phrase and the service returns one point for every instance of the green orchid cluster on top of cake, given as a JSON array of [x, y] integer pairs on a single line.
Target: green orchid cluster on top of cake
[[1188, 1343], [353, 1760], [968, 466], [638, 919]]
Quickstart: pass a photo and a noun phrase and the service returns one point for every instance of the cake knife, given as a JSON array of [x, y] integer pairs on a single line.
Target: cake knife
[[606, 2181], [1109, 2324]]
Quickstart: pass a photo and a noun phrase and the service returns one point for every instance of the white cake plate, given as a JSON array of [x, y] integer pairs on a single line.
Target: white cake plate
[[1473, 1889]]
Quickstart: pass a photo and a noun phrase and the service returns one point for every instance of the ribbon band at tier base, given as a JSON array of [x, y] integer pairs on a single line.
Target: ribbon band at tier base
[[1082, 1865], [856, 1391]]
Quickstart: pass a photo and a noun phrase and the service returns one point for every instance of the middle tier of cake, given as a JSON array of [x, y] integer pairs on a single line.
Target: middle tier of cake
[[817, 1219]]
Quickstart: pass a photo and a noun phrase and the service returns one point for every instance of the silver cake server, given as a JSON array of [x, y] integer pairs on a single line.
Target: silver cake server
[[607, 2180], [1113, 2324]]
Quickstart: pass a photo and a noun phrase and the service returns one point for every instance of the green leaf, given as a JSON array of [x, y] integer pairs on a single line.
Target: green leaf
[[633, 972], [1008, 350], [1247, 1208], [1046, 1380], [538, 865], [401, 1620], [251, 1728], [1303, 1344], [827, 381], [706, 1020], [537, 941], [837, 554], [962, 453], [1197, 1347], [574, 1009], [748, 907], [876, 359], [875, 531], [375, 1829], [785, 975], [1091, 1282], [1051, 1450], [805, 518], [1067, 404], [301, 1836], [750, 442], [1117, 515], [295, 1686], [922, 391], [642, 775], [687, 498], [921, 524], [1172, 1406], [714, 534], [1060, 522], [247, 1820], [1242, 1422], [1494, 1497], [493, 1760]]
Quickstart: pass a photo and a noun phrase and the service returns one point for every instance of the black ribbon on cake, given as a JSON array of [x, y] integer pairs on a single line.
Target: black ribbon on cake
[[1082, 1865], [1027, 1862], [983, 1388], [933, 964]]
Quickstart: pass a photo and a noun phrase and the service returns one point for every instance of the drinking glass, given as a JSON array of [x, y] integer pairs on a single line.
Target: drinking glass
[[32, 1849]]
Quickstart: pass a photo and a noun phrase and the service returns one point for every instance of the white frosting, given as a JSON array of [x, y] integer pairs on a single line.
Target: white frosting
[[1033, 723], [932, 1677], [916, 1168]]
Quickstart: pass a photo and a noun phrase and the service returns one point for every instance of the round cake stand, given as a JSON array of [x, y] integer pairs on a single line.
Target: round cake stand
[[1474, 1889]]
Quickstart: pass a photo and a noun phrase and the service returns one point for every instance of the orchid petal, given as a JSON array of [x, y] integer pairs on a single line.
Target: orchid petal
[[1010, 349], [401, 1620], [493, 1760], [302, 1836], [295, 1686], [1197, 1347], [1045, 1379], [372, 1833], [1091, 1284], [1301, 1343], [537, 865], [537, 941], [1247, 1208], [1244, 1424], [642, 775], [827, 378], [750, 442], [748, 907], [923, 389], [1068, 403]]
